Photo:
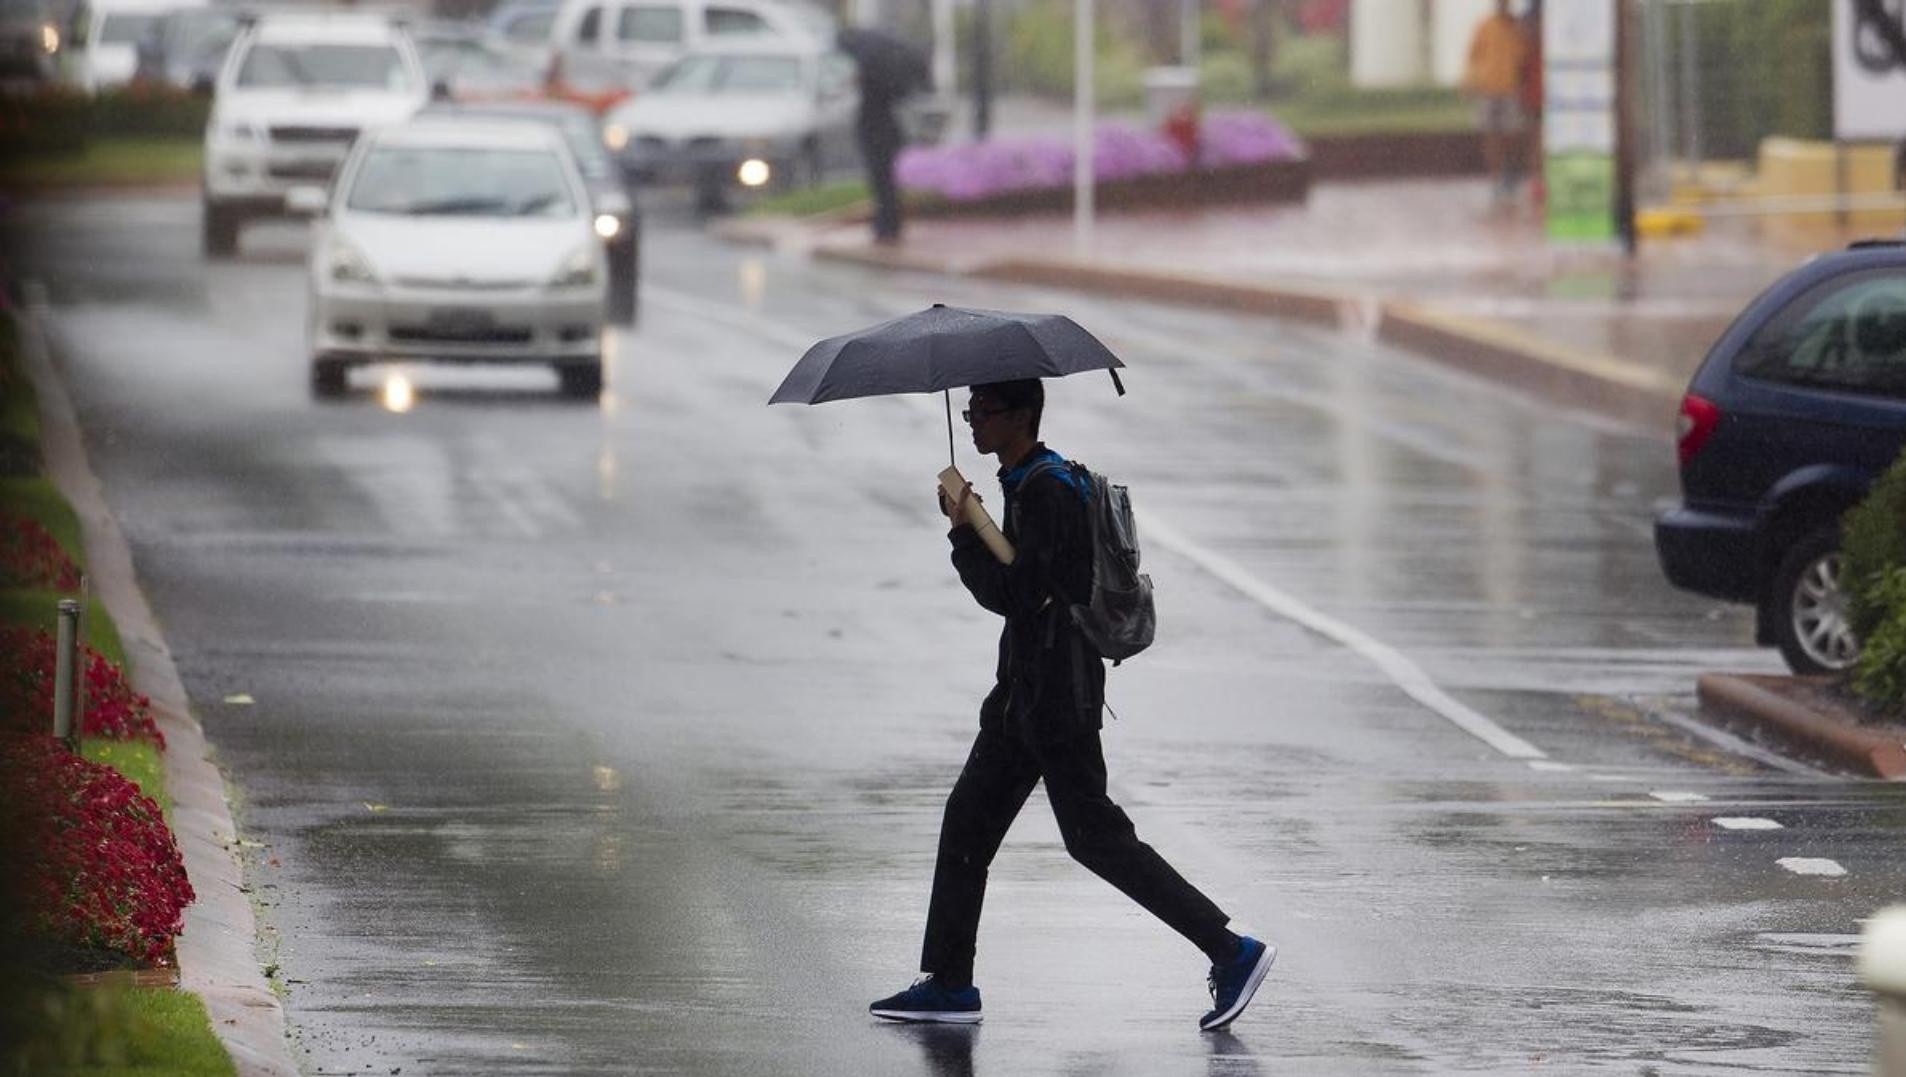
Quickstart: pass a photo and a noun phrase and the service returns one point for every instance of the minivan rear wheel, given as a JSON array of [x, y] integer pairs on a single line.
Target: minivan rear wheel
[[1809, 615]]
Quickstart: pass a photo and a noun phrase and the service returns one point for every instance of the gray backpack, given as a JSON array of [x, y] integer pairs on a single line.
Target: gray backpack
[[1119, 618]]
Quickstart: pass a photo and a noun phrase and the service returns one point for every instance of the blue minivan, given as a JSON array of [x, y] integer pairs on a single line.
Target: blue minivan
[[1796, 410]]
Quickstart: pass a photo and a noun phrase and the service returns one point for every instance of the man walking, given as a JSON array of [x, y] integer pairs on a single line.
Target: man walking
[[890, 71], [1041, 722], [1498, 52]]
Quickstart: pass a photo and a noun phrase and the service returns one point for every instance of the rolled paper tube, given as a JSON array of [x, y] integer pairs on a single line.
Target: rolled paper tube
[[976, 516]]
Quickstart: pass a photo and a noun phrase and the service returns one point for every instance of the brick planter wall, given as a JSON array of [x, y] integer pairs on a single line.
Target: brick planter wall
[[1272, 181], [1396, 156]]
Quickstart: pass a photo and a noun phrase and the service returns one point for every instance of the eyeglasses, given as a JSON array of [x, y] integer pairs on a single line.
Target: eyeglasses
[[971, 414]]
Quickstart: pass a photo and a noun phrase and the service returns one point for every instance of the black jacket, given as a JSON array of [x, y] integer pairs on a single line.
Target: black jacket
[[1050, 682]]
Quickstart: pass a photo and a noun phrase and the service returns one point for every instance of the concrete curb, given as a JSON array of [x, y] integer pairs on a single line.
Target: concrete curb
[[1609, 386], [1555, 372], [1744, 700], [216, 951]]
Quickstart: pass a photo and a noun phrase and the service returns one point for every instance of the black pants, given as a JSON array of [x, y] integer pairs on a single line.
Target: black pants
[[879, 138], [1000, 773]]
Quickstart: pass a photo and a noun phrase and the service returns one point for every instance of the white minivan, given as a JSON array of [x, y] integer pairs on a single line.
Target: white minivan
[[644, 36]]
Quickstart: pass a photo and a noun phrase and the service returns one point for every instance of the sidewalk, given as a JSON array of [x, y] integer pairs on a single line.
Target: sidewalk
[[1423, 264]]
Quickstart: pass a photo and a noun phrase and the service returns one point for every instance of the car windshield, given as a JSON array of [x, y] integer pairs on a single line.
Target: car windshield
[[366, 67], [125, 29], [195, 33], [459, 181], [712, 75]]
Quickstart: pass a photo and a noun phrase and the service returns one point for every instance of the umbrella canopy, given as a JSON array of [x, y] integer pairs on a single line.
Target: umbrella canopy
[[890, 67], [943, 348]]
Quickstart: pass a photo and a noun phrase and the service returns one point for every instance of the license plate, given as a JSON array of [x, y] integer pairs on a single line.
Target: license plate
[[461, 320]]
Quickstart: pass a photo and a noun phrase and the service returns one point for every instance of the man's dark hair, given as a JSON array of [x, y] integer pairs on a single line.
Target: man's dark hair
[[1026, 393]]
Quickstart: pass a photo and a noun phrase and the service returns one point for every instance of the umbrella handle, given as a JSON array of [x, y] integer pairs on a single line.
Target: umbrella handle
[[947, 394]]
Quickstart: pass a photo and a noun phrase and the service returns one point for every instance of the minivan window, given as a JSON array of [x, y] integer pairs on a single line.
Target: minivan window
[[591, 27], [433, 181], [370, 67], [653, 25], [1847, 334], [727, 20]]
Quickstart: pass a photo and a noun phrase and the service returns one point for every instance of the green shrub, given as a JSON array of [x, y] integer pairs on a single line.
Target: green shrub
[[1038, 57], [1880, 676], [1872, 546], [62, 120]]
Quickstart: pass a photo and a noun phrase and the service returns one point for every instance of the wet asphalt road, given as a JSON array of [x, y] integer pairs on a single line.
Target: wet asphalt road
[[613, 739]]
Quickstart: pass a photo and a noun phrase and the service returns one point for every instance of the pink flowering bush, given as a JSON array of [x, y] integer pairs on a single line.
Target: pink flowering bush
[[31, 557], [93, 862], [113, 709], [969, 172]]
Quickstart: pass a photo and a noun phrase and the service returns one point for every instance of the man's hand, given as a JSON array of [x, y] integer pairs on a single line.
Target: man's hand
[[955, 510]]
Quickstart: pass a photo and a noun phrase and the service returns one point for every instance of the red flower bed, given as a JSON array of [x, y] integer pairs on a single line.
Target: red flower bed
[[96, 865], [31, 557], [113, 709]]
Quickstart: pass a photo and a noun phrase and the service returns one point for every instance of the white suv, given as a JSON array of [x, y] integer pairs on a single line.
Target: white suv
[[295, 91]]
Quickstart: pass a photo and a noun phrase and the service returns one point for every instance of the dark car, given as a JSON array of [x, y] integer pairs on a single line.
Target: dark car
[[29, 40], [1797, 409], [618, 221]]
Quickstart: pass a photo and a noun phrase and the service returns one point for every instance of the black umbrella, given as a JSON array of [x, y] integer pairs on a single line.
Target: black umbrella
[[941, 349], [890, 67]]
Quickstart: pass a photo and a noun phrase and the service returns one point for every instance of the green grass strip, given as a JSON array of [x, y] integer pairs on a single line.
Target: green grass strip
[[39, 500], [123, 161], [808, 201], [111, 1031], [40, 609], [19, 405], [140, 762]]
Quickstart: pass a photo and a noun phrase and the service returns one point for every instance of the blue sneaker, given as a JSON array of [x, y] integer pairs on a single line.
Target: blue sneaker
[[928, 1001], [1233, 984]]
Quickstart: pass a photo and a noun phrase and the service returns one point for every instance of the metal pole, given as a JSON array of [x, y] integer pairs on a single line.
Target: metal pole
[[945, 65], [948, 394], [66, 675], [1690, 94], [1083, 103]]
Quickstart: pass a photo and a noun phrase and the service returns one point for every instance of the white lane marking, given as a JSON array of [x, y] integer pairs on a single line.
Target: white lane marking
[[1404, 673], [1550, 765], [1672, 797], [1811, 865], [1745, 822]]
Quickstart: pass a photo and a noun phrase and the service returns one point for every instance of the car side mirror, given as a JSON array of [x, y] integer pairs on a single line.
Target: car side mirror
[[307, 201], [202, 85]]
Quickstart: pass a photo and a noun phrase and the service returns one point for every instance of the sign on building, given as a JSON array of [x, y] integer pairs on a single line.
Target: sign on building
[[1578, 136], [1869, 70]]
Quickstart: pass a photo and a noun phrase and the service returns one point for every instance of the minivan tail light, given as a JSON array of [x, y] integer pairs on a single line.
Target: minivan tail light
[[1695, 425]]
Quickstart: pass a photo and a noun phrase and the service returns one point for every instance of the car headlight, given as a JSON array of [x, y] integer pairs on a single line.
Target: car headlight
[[608, 225], [577, 270], [754, 172], [616, 137], [242, 131], [349, 266]]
